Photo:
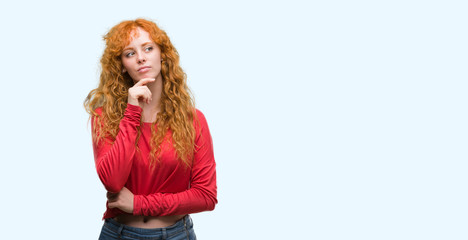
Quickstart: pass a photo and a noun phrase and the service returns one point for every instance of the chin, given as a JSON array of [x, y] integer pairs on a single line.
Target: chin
[[149, 75]]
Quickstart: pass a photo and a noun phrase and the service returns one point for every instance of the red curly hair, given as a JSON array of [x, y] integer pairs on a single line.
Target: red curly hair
[[177, 113]]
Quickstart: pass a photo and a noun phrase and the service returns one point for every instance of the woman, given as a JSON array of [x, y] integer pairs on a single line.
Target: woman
[[152, 148]]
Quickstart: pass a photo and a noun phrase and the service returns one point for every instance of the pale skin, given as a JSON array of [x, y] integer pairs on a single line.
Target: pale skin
[[141, 59]]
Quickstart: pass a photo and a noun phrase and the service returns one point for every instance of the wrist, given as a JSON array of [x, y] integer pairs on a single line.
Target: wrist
[[133, 101]]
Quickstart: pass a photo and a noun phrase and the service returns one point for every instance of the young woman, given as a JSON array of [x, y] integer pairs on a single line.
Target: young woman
[[152, 148]]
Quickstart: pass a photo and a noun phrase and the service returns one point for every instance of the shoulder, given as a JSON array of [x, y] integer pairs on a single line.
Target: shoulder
[[202, 130], [98, 111], [200, 115], [96, 116], [200, 121], [200, 118]]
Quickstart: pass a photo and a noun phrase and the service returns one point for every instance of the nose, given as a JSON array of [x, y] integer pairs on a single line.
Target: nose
[[141, 58]]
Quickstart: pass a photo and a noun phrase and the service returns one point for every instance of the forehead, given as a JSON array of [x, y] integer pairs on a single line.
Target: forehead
[[138, 36]]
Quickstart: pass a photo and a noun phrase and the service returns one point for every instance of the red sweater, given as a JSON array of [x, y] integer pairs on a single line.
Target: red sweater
[[169, 189]]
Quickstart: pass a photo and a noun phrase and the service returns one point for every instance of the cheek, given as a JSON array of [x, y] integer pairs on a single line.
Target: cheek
[[157, 59], [125, 63], [157, 62]]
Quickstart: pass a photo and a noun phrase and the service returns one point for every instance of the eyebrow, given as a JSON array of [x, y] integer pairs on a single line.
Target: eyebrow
[[146, 43]]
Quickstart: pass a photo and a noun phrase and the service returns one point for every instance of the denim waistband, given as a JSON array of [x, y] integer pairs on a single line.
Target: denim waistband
[[183, 224]]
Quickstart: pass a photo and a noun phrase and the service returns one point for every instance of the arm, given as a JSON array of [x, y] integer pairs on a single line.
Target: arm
[[114, 158], [202, 195]]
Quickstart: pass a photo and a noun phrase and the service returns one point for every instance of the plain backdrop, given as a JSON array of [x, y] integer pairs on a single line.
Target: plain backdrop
[[330, 119]]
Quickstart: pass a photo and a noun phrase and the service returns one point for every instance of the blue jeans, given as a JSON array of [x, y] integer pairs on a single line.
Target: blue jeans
[[182, 229]]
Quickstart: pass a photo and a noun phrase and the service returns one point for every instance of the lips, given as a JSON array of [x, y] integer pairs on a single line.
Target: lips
[[144, 69]]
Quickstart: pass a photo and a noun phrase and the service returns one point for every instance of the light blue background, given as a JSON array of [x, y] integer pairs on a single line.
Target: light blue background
[[330, 119]]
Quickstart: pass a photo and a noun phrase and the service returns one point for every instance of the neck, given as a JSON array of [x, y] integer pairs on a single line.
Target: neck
[[151, 109]]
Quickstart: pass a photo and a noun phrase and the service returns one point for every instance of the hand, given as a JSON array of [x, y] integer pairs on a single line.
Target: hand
[[140, 93], [122, 200]]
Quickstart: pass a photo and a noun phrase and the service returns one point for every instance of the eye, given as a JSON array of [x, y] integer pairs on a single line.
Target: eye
[[148, 49], [129, 54]]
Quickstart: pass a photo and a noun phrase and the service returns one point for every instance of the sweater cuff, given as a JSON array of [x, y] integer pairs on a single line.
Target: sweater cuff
[[133, 113]]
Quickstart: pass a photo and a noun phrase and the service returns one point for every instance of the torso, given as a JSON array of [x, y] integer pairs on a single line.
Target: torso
[[148, 221]]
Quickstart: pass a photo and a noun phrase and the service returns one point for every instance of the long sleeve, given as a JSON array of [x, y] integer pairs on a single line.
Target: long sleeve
[[114, 158], [202, 194]]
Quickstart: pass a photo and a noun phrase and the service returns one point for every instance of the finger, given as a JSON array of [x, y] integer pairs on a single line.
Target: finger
[[143, 98], [144, 81], [148, 95], [145, 94], [112, 196]]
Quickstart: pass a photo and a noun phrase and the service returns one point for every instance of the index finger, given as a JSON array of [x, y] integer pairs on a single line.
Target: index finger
[[144, 81], [111, 196]]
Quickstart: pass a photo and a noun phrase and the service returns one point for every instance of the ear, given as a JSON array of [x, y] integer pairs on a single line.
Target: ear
[[124, 70]]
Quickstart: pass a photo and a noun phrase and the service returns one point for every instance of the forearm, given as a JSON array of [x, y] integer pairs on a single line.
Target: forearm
[[167, 204], [114, 160]]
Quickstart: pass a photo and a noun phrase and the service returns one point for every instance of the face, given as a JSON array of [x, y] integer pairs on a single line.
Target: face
[[141, 58]]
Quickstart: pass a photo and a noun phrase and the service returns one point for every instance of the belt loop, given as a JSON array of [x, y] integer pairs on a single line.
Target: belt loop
[[164, 233], [185, 227], [120, 230]]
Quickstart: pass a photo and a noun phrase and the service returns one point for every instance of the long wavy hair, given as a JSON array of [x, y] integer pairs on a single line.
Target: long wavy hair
[[177, 107]]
